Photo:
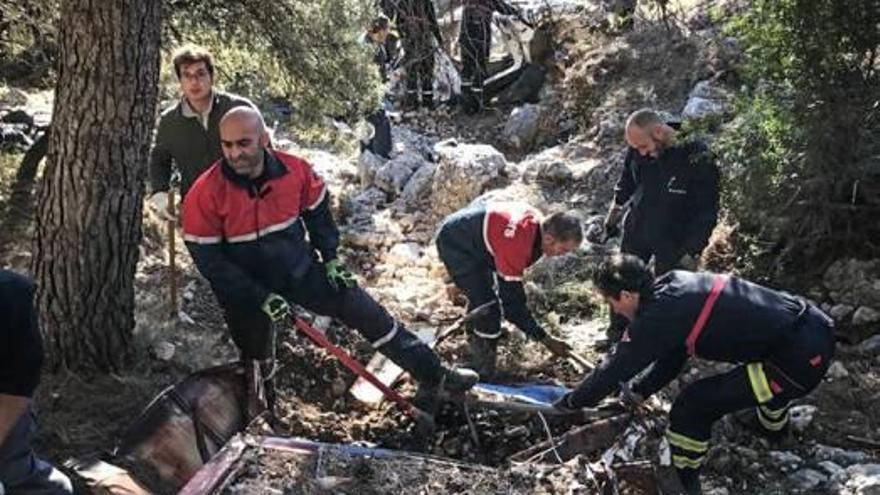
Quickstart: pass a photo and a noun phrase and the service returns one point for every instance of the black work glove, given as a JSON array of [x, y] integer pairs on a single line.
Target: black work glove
[[564, 404], [612, 221]]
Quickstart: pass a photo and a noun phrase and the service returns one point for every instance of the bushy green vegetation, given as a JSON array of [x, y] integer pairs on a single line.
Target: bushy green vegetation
[[28, 42], [305, 55], [801, 157]]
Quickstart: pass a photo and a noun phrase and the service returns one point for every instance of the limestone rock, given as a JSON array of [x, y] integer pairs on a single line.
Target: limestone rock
[[865, 315], [841, 312], [418, 187], [706, 100], [393, 175], [839, 456], [854, 282], [407, 141], [404, 253], [859, 479], [526, 127], [368, 164], [806, 479], [801, 416], [464, 172]]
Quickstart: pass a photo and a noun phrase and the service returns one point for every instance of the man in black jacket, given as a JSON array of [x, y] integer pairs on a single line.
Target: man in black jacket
[[259, 228], [669, 189], [21, 355], [782, 343]]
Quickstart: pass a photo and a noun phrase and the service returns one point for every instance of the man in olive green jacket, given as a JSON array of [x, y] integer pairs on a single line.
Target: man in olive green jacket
[[188, 133]]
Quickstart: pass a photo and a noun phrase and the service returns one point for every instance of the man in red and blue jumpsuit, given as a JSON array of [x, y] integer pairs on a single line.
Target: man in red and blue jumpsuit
[[489, 243], [259, 227], [782, 343]]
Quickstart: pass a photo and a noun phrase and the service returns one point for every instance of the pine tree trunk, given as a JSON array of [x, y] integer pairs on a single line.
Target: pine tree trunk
[[89, 208]]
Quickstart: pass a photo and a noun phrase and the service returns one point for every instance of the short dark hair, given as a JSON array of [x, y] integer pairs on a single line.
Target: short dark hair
[[644, 118], [379, 23], [563, 226], [623, 272], [191, 54]]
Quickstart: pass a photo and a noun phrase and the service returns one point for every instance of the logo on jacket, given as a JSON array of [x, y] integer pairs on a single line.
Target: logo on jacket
[[674, 187], [510, 229]]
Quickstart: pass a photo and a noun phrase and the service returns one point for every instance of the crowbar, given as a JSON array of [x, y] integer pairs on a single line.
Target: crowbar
[[172, 253], [357, 368], [580, 361]]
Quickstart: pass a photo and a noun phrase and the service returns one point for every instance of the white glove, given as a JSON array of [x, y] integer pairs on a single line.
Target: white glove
[[364, 131], [159, 204]]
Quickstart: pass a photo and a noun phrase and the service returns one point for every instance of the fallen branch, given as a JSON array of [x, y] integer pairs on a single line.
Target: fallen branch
[[865, 442], [589, 438]]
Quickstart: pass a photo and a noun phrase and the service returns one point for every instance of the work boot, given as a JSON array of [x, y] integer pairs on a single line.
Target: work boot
[[690, 481], [484, 353], [452, 380], [458, 380], [256, 393], [749, 419]]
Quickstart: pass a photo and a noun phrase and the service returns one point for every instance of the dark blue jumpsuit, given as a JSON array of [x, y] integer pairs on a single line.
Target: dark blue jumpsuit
[[783, 346]]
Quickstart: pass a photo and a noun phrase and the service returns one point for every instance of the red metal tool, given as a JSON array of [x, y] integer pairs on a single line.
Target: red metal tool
[[357, 368]]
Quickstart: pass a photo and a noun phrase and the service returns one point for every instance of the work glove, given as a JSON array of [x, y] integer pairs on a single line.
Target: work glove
[[612, 221], [563, 404], [339, 276], [596, 234], [364, 131], [688, 262], [557, 346], [158, 202], [276, 307]]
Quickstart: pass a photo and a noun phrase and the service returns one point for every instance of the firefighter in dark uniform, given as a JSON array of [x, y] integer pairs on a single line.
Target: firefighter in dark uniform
[[259, 228], [669, 189], [417, 21], [782, 343], [488, 244], [475, 41]]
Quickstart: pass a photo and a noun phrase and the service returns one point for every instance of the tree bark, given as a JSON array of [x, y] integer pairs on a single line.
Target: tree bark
[[89, 207]]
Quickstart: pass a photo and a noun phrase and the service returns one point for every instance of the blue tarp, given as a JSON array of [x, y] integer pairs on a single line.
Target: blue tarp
[[532, 393]]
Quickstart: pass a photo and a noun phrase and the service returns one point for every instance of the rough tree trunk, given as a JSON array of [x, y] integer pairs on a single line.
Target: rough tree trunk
[[89, 208]]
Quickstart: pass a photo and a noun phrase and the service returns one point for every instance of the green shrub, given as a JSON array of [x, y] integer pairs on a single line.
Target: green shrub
[[801, 157], [305, 52]]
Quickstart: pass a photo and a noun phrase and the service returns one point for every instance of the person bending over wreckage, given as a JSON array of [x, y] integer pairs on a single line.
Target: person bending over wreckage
[[783, 344], [489, 242], [246, 222]]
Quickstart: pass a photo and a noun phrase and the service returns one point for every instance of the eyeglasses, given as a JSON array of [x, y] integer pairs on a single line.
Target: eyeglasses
[[196, 76]]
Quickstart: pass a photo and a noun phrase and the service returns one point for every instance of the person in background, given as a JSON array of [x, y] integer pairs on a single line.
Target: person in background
[[188, 136]]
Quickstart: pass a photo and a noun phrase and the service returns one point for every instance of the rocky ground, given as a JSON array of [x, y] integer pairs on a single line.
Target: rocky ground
[[562, 153]]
